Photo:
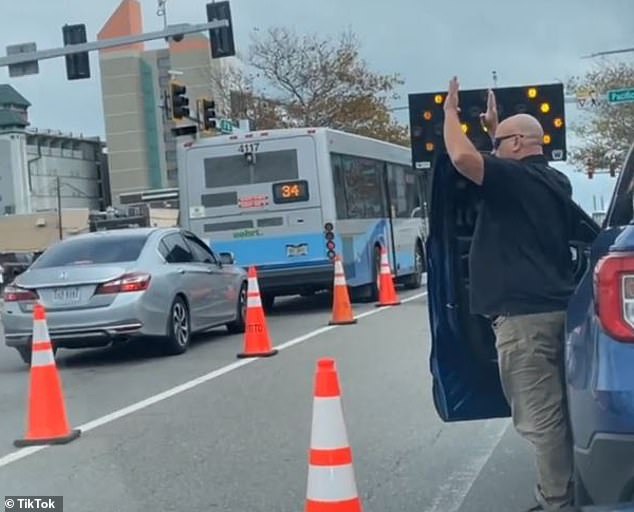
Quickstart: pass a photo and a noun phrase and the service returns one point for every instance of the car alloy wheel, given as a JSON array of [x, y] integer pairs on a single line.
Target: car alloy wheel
[[180, 324], [243, 302]]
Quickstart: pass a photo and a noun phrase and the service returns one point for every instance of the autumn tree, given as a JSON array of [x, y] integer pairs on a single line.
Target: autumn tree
[[607, 131], [236, 97], [324, 82]]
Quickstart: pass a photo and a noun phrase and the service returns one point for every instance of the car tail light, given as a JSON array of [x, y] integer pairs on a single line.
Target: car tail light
[[614, 295], [15, 294], [330, 240], [136, 282]]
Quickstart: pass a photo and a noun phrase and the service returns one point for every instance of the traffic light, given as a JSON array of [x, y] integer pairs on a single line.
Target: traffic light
[[545, 102], [77, 64], [221, 39], [208, 109], [180, 102]]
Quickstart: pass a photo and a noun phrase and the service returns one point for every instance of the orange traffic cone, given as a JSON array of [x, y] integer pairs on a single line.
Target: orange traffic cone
[[387, 291], [47, 420], [257, 342], [331, 481], [341, 308]]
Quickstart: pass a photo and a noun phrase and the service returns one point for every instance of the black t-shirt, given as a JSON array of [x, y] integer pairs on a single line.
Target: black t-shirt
[[520, 260]]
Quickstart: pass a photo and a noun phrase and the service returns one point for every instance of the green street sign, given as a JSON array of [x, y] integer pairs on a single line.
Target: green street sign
[[226, 126], [621, 95]]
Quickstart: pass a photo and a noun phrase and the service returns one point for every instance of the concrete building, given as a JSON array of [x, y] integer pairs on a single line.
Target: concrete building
[[141, 147], [32, 160]]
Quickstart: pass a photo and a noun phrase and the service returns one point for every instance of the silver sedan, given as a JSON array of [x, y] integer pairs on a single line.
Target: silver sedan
[[110, 286]]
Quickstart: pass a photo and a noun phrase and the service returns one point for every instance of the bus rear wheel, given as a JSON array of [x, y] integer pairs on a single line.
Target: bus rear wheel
[[416, 279], [370, 292]]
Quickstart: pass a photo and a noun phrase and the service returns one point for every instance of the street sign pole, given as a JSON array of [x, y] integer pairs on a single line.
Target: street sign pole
[[174, 30]]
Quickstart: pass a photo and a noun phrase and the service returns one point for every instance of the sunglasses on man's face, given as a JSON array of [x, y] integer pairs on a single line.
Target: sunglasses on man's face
[[498, 140]]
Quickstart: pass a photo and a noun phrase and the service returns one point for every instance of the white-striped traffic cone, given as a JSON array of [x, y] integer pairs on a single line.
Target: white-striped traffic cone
[[331, 481], [47, 419], [257, 341], [387, 290]]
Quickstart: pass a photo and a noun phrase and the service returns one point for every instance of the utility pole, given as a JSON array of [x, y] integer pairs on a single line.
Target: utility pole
[[59, 207]]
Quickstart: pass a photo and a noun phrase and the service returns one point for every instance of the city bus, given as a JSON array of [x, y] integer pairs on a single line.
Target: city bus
[[288, 201]]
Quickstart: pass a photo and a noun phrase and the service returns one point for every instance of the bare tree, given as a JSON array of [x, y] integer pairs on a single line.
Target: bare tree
[[608, 130], [326, 83], [237, 98]]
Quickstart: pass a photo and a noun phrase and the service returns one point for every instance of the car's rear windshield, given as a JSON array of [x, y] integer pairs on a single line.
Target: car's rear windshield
[[92, 251]]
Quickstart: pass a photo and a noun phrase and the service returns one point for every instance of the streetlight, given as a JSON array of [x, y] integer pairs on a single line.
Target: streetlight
[[609, 52]]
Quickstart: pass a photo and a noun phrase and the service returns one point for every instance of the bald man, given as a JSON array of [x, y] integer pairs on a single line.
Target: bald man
[[522, 278]]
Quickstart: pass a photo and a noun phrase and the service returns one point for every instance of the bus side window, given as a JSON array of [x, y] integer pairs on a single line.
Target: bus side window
[[363, 187], [339, 186], [400, 191]]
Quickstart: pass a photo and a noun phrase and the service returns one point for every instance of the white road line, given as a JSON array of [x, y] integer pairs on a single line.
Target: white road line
[[130, 409], [452, 493]]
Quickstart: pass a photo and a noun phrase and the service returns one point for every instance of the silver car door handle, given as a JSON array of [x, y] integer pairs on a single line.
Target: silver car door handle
[[181, 270]]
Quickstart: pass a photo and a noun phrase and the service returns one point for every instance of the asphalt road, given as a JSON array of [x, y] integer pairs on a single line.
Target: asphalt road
[[235, 437]]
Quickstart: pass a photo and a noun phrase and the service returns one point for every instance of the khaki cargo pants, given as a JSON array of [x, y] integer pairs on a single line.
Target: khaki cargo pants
[[531, 357]]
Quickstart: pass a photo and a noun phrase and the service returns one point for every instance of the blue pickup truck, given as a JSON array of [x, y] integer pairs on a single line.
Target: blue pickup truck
[[599, 332]]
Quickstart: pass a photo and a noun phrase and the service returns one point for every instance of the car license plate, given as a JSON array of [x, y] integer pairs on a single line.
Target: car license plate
[[66, 295], [297, 250]]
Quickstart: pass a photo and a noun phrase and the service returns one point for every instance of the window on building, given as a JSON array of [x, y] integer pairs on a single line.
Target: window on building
[[170, 156], [360, 194], [172, 175]]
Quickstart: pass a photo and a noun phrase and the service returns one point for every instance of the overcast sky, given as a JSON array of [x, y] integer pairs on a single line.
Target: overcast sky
[[426, 42]]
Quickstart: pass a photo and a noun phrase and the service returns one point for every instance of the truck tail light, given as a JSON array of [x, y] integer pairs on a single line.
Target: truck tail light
[[614, 295], [16, 294], [330, 240], [136, 282]]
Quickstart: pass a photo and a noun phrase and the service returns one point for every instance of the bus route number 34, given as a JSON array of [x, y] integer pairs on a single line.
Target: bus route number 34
[[291, 191]]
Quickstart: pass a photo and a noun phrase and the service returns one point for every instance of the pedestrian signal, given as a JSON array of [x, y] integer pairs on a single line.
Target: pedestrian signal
[[545, 102]]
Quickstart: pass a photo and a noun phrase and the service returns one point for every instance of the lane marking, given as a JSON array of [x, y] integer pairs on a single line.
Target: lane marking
[[130, 409], [453, 492]]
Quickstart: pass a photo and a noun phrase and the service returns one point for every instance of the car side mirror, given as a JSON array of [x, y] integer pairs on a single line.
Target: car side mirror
[[227, 258]]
